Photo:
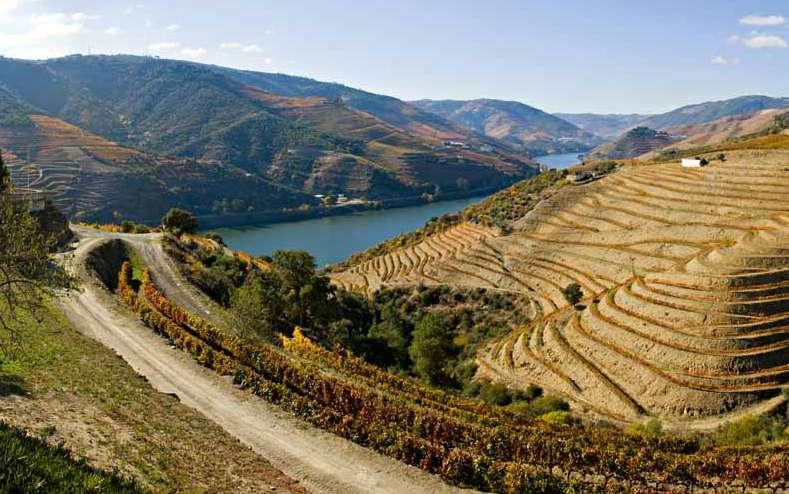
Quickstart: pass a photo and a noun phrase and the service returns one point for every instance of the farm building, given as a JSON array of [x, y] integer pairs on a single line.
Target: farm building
[[578, 176], [692, 163]]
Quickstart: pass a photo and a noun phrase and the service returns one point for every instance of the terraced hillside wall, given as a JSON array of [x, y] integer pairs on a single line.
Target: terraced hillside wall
[[685, 280]]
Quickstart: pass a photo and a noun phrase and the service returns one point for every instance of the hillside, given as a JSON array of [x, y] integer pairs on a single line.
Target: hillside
[[90, 178], [296, 146], [635, 142], [726, 128], [607, 126], [713, 110], [514, 123], [393, 111], [683, 276]]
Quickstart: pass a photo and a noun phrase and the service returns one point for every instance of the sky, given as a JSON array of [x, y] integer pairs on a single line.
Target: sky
[[603, 56]]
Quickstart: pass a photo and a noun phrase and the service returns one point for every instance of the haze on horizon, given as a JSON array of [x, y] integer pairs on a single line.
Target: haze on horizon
[[605, 57]]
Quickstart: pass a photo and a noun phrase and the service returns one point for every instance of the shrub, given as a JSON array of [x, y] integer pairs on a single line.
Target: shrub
[[558, 417], [750, 431], [178, 221], [573, 293], [651, 428], [496, 394], [539, 406]]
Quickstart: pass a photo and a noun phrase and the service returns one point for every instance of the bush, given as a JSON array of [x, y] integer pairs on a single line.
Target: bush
[[178, 221], [558, 417], [539, 406], [651, 428], [750, 431], [496, 394], [573, 293]]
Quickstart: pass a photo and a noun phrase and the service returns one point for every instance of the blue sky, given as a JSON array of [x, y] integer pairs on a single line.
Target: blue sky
[[560, 55]]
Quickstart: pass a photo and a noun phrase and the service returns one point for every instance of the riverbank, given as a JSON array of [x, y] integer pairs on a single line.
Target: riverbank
[[258, 218], [335, 238]]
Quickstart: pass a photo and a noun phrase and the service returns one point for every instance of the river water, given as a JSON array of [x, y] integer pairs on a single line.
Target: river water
[[335, 238]]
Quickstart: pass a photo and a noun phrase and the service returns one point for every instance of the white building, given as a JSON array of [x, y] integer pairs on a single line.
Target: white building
[[691, 163]]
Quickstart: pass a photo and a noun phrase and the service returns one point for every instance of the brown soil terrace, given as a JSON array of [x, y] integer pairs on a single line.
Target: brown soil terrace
[[686, 284]]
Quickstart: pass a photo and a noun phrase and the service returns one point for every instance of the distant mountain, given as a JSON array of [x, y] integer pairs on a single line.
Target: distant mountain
[[513, 123], [633, 143], [393, 111], [297, 146], [607, 126], [713, 110]]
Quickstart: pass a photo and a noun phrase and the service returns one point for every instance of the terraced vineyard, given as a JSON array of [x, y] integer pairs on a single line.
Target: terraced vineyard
[[685, 280], [91, 178]]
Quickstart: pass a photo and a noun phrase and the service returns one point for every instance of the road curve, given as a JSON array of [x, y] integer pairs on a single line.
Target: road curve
[[322, 462]]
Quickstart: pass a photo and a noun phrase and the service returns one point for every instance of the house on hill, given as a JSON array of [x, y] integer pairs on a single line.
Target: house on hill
[[693, 162]]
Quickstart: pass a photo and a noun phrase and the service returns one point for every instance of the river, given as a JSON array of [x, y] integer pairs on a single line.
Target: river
[[335, 238], [559, 161]]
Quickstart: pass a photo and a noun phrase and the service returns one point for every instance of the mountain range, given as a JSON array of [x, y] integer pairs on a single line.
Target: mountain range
[[288, 147], [128, 137], [518, 125]]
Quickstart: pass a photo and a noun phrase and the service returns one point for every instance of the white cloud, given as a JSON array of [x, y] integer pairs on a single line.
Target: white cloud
[[765, 41], [113, 31], [733, 39], [252, 49], [267, 61], [163, 46], [40, 35], [194, 52], [7, 5], [173, 27], [763, 20], [721, 60], [133, 7]]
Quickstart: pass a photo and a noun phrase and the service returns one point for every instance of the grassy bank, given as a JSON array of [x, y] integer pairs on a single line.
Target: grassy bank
[[68, 389], [28, 464]]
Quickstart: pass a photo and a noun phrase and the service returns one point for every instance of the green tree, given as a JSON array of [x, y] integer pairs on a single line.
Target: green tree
[[573, 293], [257, 305], [393, 331], [27, 275], [5, 175], [432, 349], [306, 295], [178, 221]]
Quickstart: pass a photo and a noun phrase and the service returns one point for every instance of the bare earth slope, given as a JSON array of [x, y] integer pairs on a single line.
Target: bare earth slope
[[320, 461], [685, 280]]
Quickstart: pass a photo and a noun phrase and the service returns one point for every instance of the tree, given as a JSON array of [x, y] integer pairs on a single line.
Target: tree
[[305, 293], [178, 221], [5, 175], [573, 293], [257, 305], [393, 331], [26, 274], [432, 349]]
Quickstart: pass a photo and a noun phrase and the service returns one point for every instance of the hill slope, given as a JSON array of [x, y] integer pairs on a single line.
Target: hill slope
[[684, 276], [607, 126], [713, 110], [514, 123], [635, 142], [300, 146]]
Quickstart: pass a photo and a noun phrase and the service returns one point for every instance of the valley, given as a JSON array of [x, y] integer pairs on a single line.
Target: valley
[[369, 248]]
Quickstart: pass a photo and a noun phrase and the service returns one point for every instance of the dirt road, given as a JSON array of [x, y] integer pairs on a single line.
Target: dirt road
[[322, 462]]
